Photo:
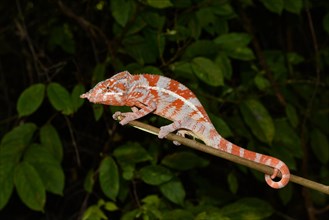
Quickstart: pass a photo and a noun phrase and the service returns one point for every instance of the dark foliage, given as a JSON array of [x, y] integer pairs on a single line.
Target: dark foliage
[[259, 67]]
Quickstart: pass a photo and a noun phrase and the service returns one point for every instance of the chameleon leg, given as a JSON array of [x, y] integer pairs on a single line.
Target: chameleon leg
[[130, 116], [164, 130], [183, 133], [186, 123]]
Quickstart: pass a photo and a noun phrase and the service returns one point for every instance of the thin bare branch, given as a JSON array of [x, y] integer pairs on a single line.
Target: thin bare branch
[[253, 165]]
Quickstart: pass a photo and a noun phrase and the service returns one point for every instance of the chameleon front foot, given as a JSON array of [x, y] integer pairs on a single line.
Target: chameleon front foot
[[124, 117], [163, 132], [117, 116]]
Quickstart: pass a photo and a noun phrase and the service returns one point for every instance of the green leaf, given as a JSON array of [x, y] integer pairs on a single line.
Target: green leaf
[[293, 6], [207, 20], [320, 146], [132, 215], [121, 10], [47, 166], [50, 139], [174, 191], [128, 155], [205, 16], [109, 178], [246, 209], [29, 186], [287, 138], [75, 96], [131, 152], [94, 212], [150, 69], [98, 73], [221, 126], [261, 82], [159, 3], [183, 69], [194, 27], [177, 214], [224, 64], [258, 119], [325, 23], [6, 179], [151, 41], [89, 181], [62, 36], [153, 19], [155, 174], [110, 206], [241, 53], [294, 58], [275, 6], [235, 45], [231, 41], [128, 170], [207, 71], [151, 200], [98, 110], [211, 215], [60, 98], [200, 48], [233, 182], [15, 141], [184, 161], [292, 115], [30, 99]]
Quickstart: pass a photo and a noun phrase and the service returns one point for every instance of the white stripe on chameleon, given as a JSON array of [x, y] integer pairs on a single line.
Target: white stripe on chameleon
[[268, 162], [171, 111], [175, 95], [279, 165], [163, 82], [183, 111], [99, 91], [116, 95], [181, 87], [241, 152], [257, 158], [229, 147]]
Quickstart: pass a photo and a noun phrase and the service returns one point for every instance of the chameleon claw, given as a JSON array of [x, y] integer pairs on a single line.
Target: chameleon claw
[[117, 116], [275, 173], [163, 132]]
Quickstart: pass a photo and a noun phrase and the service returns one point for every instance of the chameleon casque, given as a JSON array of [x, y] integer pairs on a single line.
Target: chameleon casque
[[146, 93]]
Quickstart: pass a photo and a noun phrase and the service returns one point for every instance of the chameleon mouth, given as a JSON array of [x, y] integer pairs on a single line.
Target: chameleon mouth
[[85, 95]]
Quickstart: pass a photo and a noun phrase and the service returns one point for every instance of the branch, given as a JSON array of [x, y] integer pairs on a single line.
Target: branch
[[247, 25], [256, 166]]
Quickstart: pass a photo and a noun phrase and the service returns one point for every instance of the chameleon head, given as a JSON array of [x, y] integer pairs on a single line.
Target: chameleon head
[[112, 91]]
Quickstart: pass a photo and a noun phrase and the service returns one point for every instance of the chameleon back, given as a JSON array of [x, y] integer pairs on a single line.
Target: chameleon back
[[174, 100]]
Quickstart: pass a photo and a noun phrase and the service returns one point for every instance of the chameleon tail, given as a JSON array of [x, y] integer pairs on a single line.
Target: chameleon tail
[[275, 163]]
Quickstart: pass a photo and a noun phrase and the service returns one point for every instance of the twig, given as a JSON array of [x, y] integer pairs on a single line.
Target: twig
[[22, 28], [247, 25], [94, 31], [201, 147], [74, 143], [307, 197]]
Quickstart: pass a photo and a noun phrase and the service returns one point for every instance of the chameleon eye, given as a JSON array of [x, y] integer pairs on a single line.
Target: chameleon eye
[[107, 88]]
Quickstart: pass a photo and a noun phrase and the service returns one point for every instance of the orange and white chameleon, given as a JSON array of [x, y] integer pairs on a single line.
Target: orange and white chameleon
[[146, 93]]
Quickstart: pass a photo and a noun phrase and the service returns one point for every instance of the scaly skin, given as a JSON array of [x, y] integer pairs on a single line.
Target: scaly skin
[[170, 99]]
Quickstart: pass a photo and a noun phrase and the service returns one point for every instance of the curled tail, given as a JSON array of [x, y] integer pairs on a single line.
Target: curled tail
[[275, 163], [206, 132]]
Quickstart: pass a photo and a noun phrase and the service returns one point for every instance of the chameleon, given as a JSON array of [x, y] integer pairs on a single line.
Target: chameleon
[[165, 97]]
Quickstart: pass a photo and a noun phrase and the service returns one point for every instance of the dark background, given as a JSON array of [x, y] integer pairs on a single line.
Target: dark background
[[280, 60]]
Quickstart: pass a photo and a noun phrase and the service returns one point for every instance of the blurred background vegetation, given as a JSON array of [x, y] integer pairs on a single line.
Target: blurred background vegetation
[[260, 67]]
